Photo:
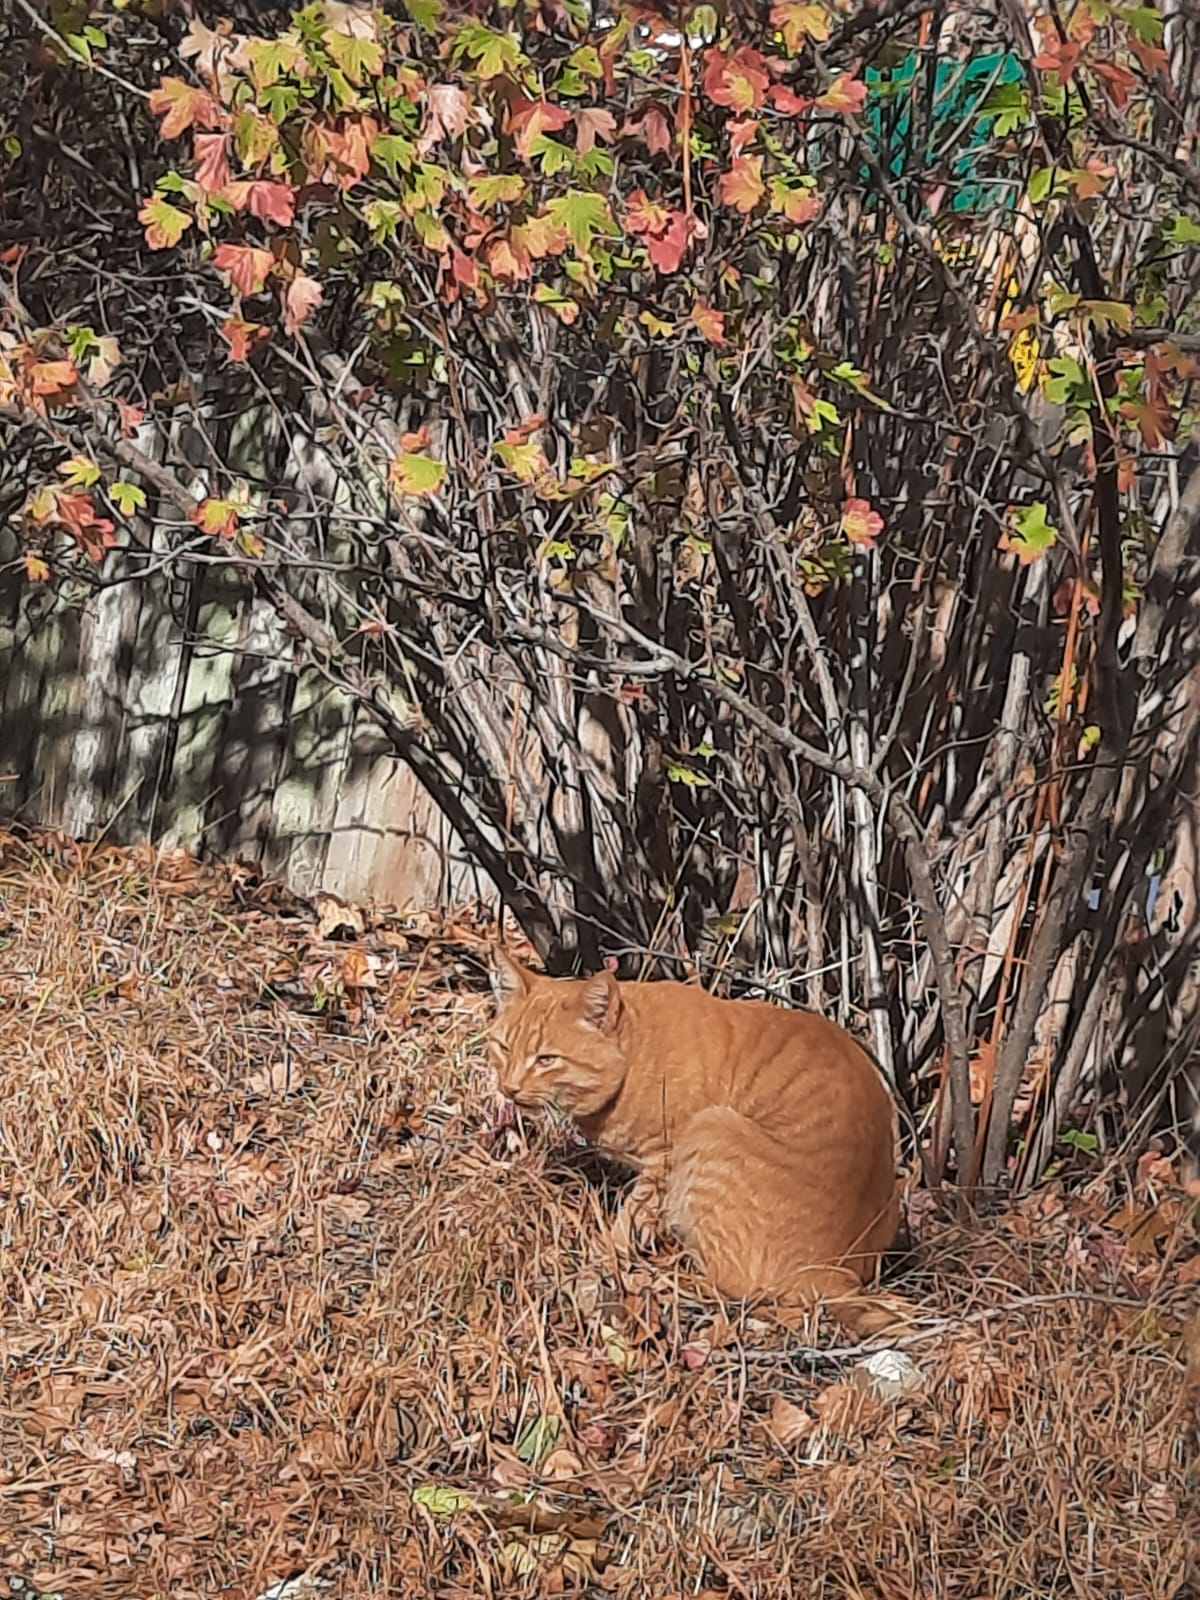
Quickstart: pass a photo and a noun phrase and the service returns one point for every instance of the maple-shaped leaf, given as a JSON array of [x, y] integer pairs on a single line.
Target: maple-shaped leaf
[[523, 457], [242, 337], [414, 474], [303, 297], [742, 187], [164, 223], [1121, 82], [447, 111], [787, 103], [1153, 57], [528, 120], [206, 46], [212, 161], [655, 326], [246, 266], [94, 534], [861, 523], [359, 58], [218, 517], [540, 236], [272, 202], [652, 127], [1153, 421], [798, 23], [592, 123], [182, 106], [798, 205], [846, 94], [741, 133], [104, 356], [464, 269], [560, 305], [1059, 56], [130, 417], [668, 248], [493, 53], [36, 570], [738, 81], [502, 188], [643, 215], [582, 215], [128, 498], [51, 380], [81, 472], [1032, 536], [709, 322]]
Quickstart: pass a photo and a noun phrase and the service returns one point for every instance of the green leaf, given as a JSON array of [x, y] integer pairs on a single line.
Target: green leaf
[[426, 14], [501, 188], [1184, 230], [1088, 1143], [128, 498], [583, 214], [1041, 184], [686, 776], [1106, 314], [1070, 378], [417, 474], [492, 53], [393, 153], [1145, 23], [1034, 536], [442, 1501], [539, 1438], [358, 58]]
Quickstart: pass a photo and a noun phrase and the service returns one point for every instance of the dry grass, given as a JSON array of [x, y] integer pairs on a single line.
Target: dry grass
[[270, 1270]]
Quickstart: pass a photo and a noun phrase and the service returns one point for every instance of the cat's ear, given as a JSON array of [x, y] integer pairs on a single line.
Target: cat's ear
[[601, 1002], [509, 980]]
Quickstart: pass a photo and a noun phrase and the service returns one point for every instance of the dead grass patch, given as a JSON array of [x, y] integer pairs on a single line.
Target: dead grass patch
[[280, 1299]]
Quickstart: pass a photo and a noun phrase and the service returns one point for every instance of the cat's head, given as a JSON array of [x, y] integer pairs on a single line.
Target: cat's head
[[555, 1041]]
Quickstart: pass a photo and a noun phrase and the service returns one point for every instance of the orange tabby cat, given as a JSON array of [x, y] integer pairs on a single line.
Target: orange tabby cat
[[769, 1133]]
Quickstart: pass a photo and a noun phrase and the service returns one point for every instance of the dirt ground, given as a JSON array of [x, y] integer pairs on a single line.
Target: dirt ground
[[283, 1301]]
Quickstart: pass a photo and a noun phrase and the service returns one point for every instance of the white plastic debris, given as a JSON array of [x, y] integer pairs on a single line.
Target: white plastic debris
[[891, 1373]]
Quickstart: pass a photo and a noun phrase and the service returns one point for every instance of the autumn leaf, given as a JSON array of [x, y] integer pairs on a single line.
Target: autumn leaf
[[165, 224], [359, 58], [36, 570], [592, 123], [43, 505], [447, 109], [414, 474], [130, 417], [272, 202], [52, 379], [643, 215], [787, 103], [212, 161], [1121, 82], [128, 498], [182, 106], [1061, 57], [652, 127], [738, 81], [218, 517], [741, 133], [560, 305], [530, 119], [303, 297], [710, 322], [798, 23], [522, 456], [667, 249], [245, 265], [846, 94], [94, 534], [493, 53], [742, 186], [655, 325], [242, 337], [798, 205], [1032, 537], [861, 524], [497, 189], [80, 472]]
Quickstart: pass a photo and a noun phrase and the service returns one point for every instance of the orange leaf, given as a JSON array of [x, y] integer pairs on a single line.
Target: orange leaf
[[182, 106], [787, 103], [710, 322], [741, 134], [36, 569], [212, 161], [861, 524], [242, 337], [246, 266], [742, 186], [1061, 57], [52, 378], [668, 249], [219, 517], [530, 119], [165, 224], [654, 129], [592, 123], [643, 215], [303, 297], [846, 94], [94, 534], [273, 202], [738, 81]]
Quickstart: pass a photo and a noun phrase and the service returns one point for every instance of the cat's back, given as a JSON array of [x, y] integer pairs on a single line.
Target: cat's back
[[756, 1055]]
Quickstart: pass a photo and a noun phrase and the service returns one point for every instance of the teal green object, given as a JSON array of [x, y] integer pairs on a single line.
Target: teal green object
[[960, 90]]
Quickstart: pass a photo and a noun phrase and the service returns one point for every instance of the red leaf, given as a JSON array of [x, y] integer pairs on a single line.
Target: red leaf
[[1059, 56], [242, 337], [181, 106], [1121, 82], [643, 215], [654, 129], [77, 513], [861, 524], [742, 186], [530, 119], [741, 134], [846, 94], [1152, 56], [246, 265], [738, 81], [509, 260], [710, 322], [303, 297], [273, 202], [131, 418], [787, 103], [464, 268], [212, 161], [592, 123], [667, 250]]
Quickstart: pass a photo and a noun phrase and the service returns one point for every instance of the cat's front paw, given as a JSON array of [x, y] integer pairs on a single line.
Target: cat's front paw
[[636, 1225]]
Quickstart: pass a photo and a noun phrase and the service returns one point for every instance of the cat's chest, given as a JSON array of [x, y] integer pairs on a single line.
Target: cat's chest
[[628, 1138]]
